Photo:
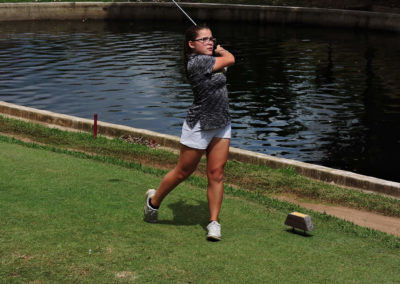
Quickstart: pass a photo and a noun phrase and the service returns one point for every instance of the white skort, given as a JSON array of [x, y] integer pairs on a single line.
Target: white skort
[[200, 139]]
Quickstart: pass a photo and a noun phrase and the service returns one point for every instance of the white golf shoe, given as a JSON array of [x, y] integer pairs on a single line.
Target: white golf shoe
[[150, 214], [214, 231]]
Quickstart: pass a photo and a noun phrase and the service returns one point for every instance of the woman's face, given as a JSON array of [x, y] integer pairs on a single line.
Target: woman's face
[[202, 46]]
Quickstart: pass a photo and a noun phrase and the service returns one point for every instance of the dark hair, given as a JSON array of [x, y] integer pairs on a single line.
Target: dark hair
[[190, 34]]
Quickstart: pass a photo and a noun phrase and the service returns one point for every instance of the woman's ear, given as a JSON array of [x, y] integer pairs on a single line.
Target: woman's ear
[[191, 44]]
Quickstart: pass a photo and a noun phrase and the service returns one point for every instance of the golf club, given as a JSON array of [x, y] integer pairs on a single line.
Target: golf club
[[194, 23], [184, 13]]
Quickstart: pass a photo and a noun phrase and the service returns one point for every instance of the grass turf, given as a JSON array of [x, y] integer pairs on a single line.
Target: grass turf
[[68, 219], [252, 178]]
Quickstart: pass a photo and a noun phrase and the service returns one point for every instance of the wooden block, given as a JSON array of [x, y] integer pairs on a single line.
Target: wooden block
[[299, 221]]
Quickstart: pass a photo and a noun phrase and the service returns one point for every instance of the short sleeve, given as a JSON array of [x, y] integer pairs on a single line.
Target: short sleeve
[[201, 65]]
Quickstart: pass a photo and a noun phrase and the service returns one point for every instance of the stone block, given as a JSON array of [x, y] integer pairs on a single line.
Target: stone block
[[299, 221]]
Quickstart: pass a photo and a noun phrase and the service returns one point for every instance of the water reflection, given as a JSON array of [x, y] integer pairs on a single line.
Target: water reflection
[[322, 96]]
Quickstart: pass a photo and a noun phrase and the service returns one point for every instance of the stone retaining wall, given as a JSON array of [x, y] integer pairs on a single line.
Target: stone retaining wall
[[200, 13]]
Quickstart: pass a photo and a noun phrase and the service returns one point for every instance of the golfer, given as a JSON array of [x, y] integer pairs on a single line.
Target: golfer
[[206, 129]]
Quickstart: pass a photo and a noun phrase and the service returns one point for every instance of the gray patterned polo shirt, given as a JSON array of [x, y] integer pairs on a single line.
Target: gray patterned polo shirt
[[210, 105]]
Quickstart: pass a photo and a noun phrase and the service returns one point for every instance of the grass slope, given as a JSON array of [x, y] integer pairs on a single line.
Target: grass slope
[[257, 179], [68, 219]]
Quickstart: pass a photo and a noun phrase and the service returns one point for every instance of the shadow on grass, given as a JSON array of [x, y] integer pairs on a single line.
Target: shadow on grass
[[188, 214], [299, 232]]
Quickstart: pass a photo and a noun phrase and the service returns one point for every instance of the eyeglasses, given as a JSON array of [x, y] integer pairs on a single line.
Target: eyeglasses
[[205, 40]]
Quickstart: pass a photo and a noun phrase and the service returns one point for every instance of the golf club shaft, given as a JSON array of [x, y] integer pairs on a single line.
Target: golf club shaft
[[184, 13]]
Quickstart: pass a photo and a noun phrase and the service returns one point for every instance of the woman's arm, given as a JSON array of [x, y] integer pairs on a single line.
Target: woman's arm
[[224, 58]]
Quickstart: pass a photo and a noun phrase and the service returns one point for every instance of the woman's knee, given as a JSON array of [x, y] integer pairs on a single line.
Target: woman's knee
[[216, 174], [182, 174]]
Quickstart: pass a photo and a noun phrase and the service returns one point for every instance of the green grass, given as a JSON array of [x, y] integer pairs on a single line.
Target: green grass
[[252, 178], [72, 217]]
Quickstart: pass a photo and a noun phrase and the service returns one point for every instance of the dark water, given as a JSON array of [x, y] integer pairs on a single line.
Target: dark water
[[328, 97]]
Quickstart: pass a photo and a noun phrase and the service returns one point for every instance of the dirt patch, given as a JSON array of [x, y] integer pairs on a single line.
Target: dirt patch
[[390, 225], [126, 275]]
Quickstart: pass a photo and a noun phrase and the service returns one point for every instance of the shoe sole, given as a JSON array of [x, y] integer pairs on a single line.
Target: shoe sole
[[213, 238], [150, 221]]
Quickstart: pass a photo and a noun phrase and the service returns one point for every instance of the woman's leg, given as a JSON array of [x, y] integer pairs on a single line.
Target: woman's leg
[[187, 163], [217, 155]]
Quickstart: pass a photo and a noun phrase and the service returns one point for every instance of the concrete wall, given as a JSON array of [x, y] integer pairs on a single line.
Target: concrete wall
[[333, 176], [201, 13]]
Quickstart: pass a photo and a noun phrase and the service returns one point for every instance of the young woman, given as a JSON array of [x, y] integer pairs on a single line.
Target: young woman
[[207, 127]]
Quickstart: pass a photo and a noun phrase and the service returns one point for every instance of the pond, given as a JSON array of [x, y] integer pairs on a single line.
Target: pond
[[323, 96]]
